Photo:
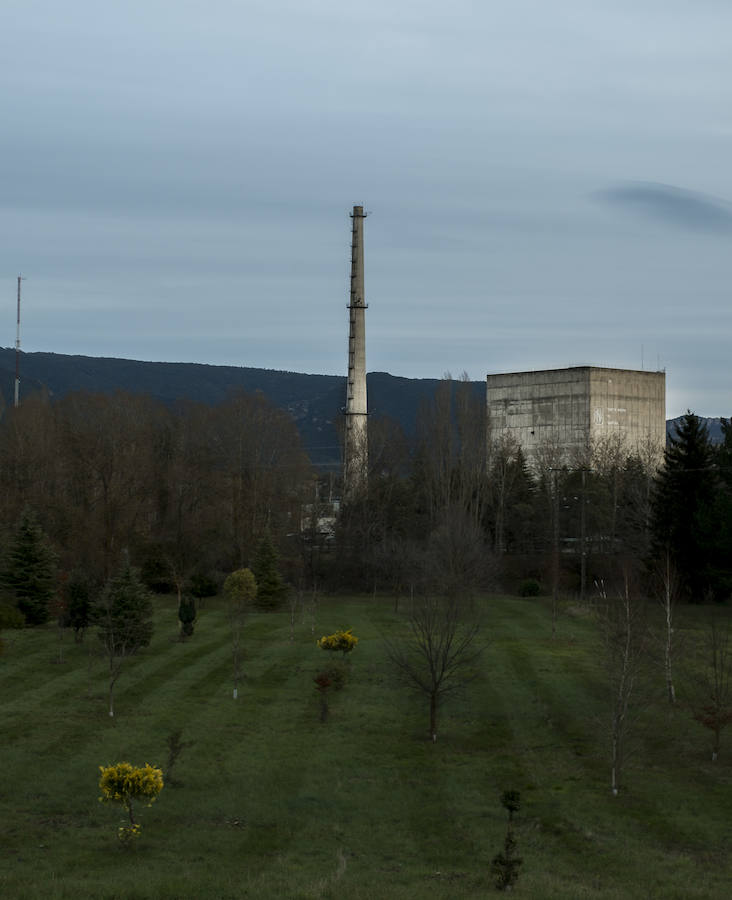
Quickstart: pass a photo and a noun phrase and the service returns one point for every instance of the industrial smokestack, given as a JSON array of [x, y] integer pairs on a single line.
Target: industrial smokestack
[[355, 463]]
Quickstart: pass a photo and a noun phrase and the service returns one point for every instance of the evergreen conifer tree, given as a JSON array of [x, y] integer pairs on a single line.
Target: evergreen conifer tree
[[187, 615], [521, 519], [124, 614], [29, 571], [124, 617], [270, 585], [78, 604], [722, 564], [684, 506]]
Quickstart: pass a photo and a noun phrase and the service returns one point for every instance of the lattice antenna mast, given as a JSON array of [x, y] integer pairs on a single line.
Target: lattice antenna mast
[[17, 351], [355, 466]]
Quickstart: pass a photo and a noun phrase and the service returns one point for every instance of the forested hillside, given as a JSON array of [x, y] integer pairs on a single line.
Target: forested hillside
[[314, 402]]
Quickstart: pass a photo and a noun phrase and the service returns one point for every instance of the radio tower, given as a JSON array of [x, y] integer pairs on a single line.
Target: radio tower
[[355, 462], [17, 351]]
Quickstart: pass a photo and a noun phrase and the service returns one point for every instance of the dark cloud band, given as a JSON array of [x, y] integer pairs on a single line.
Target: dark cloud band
[[673, 206]]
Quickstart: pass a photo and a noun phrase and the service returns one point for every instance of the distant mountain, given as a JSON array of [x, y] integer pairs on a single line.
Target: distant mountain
[[315, 402], [714, 427]]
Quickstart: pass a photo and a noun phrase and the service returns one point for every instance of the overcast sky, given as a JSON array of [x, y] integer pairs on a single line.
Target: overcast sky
[[549, 184]]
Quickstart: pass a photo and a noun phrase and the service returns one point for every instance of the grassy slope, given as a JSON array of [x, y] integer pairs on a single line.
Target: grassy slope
[[274, 804]]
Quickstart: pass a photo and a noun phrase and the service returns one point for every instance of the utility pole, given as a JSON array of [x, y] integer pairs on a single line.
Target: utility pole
[[17, 351], [583, 544], [555, 550]]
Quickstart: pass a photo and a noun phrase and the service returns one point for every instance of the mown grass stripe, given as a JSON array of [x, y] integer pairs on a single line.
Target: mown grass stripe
[[272, 803]]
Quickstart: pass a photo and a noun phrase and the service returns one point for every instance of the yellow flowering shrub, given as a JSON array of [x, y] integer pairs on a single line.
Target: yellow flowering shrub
[[123, 783], [343, 641]]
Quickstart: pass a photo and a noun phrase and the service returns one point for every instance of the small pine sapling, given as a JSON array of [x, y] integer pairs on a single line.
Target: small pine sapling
[[271, 588], [511, 802], [505, 865], [187, 616], [202, 586]]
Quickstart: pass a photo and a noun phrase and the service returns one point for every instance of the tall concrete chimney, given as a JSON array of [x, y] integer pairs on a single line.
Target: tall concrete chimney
[[355, 462]]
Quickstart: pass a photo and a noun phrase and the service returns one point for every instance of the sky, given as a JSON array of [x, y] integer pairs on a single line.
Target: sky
[[548, 184]]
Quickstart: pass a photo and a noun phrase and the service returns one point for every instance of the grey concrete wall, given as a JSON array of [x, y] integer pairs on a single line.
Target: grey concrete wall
[[630, 404], [578, 408]]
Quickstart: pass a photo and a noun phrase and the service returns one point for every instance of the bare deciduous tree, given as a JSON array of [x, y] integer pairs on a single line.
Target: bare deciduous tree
[[451, 449], [240, 589], [457, 561], [669, 594], [624, 640], [108, 446], [550, 469], [713, 703], [257, 452], [437, 655], [502, 455], [607, 460]]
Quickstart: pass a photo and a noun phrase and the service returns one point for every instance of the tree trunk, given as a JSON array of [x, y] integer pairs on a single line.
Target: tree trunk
[[235, 660], [555, 556], [583, 540], [500, 515], [113, 676], [433, 716], [179, 590], [668, 644], [670, 690]]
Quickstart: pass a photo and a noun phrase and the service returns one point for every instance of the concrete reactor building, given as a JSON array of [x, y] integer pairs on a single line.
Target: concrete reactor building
[[576, 409]]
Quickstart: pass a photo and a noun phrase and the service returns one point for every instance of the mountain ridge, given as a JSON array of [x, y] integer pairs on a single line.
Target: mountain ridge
[[314, 401]]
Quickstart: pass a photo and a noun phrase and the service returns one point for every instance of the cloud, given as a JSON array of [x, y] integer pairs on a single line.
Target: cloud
[[672, 206]]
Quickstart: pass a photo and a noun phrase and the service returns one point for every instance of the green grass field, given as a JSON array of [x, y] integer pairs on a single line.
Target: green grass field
[[274, 804]]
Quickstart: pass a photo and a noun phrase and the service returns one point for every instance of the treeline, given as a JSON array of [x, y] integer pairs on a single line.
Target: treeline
[[480, 514], [180, 493], [188, 494]]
